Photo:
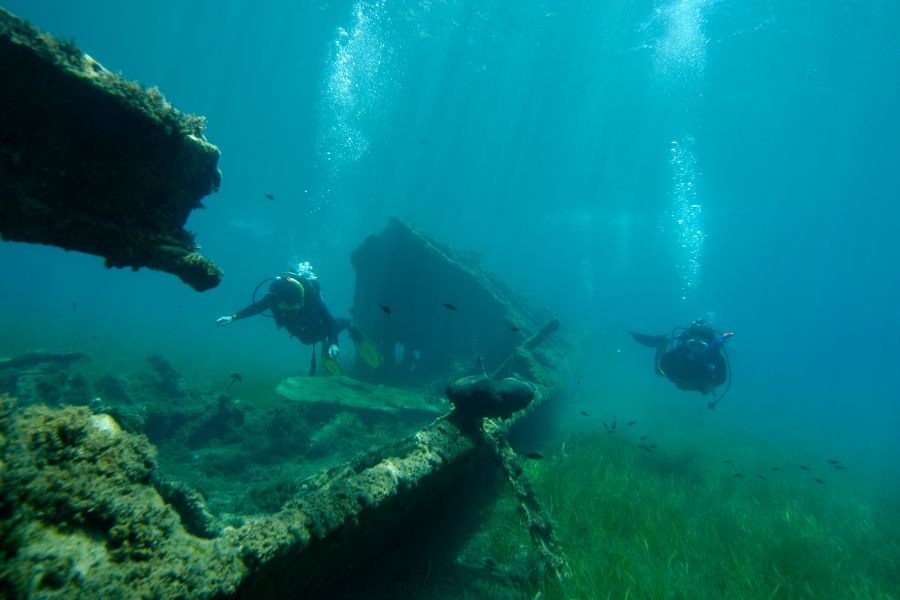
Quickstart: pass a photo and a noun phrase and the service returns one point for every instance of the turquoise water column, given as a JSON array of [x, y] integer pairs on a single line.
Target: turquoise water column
[[360, 84], [679, 61]]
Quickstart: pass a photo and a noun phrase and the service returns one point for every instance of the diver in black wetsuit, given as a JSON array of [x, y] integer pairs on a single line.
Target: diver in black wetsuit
[[693, 357], [296, 303]]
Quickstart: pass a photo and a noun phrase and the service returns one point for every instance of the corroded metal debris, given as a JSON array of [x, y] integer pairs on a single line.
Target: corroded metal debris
[[94, 163]]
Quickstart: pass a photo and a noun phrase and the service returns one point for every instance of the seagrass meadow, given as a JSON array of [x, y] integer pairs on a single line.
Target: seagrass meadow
[[678, 523]]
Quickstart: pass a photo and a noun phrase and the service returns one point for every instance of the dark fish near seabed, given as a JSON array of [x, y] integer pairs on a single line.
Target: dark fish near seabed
[[761, 476], [805, 468], [385, 309], [727, 461], [776, 468], [644, 437], [449, 306], [739, 475], [584, 413], [514, 328], [652, 445], [833, 462], [817, 480], [630, 423], [270, 196], [840, 467], [535, 455], [235, 378], [647, 448]]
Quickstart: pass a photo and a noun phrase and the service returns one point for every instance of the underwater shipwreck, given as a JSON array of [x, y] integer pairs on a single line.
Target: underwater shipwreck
[[123, 485], [141, 485], [90, 507]]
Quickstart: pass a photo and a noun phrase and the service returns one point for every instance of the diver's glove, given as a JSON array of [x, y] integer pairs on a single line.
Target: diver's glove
[[333, 351], [223, 321]]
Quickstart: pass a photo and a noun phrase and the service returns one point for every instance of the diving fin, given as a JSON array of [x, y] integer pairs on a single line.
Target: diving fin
[[365, 348], [651, 341], [331, 365]]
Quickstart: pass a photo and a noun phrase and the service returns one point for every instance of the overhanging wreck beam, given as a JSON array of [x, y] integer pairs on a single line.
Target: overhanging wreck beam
[[94, 163]]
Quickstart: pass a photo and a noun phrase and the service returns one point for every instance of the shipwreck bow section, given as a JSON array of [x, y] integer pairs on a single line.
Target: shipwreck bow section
[[94, 163], [430, 308]]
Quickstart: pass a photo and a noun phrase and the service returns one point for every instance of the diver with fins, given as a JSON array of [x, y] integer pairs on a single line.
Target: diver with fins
[[295, 301], [692, 357]]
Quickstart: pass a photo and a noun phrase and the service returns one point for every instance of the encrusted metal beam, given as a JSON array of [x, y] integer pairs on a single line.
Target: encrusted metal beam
[[94, 163]]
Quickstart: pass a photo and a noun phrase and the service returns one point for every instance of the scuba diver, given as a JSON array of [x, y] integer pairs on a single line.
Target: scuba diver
[[295, 301], [692, 357]]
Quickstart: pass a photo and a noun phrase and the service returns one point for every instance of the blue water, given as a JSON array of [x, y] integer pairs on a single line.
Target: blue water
[[633, 165]]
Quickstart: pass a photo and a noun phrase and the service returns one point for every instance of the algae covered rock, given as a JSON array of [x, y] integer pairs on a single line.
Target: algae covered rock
[[82, 518]]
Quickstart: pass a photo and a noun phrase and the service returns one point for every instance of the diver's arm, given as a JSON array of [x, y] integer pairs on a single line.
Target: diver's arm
[[266, 302]]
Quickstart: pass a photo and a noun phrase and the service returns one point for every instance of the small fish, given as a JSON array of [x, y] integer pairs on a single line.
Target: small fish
[[449, 306], [776, 468], [840, 467], [235, 378], [535, 455], [763, 477], [95, 338], [834, 462], [421, 140], [647, 448], [817, 480], [644, 437], [652, 445], [74, 305], [584, 413], [630, 423], [727, 461], [605, 426], [613, 426], [739, 475], [270, 196], [514, 328], [805, 468], [385, 309]]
